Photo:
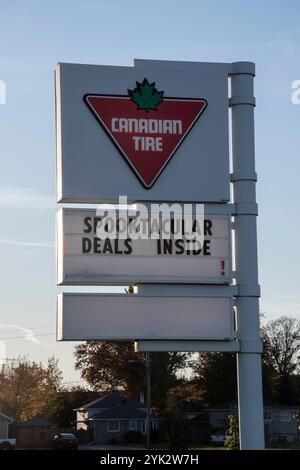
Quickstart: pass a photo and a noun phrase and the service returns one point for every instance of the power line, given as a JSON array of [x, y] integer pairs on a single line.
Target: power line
[[74, 382], [27, 336], [27, 327]]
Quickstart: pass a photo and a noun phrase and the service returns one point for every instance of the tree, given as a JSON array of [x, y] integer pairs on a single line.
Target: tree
[[215, 374], [186, 390], [114, 365], [281, 357], [71, 399], [175, 425], [281, 345], [28, 389], [108, 365]]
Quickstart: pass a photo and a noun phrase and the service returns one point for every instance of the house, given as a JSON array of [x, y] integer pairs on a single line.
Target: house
[[112, 416], [5, 421], [281, 421], [87, 411], [35, 422]]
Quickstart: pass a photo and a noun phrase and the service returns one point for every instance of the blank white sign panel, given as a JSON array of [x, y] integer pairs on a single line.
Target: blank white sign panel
[[137, 317]]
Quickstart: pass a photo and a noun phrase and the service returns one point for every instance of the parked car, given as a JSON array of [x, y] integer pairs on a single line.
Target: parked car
[[65, 440], [7, 444], [219, 438]]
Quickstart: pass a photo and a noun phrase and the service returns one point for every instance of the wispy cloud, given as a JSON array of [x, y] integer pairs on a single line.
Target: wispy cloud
[[28, 334], [20, 197], [23, 243]]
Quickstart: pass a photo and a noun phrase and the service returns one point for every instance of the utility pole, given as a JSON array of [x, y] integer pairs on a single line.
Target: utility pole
[[148, 382], [147, 365]]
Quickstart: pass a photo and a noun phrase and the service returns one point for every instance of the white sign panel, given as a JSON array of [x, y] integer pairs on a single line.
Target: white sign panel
[[84, 258], [136, 317], [152, 133]]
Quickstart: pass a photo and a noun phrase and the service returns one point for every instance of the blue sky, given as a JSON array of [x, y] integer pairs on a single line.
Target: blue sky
[[35, 35]]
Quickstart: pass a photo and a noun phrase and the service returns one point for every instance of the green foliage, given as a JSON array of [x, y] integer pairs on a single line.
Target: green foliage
[[175, 426], [146, 96], [215, 374], [233, 443]]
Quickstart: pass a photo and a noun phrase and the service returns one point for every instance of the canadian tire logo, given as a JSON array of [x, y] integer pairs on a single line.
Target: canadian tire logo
[[145, 126]]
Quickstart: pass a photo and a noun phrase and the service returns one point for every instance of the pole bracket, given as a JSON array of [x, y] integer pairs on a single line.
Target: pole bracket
[[251, 346], [243, 175], [241, 99], [242, 67], [248, 290], [246, 208]]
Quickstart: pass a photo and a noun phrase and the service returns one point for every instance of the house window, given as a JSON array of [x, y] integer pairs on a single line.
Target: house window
[[284, 416], [267, 415], [132, 425], [113, 426]]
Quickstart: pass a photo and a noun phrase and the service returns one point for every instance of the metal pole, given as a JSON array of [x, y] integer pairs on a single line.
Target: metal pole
[[242, 103], [148, 380]]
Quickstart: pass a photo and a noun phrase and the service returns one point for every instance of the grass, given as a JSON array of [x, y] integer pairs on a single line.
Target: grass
[[163, 446]]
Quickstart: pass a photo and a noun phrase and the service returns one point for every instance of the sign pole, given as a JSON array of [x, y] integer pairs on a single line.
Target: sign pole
[[148, 380], [146, 125], [242, 103]]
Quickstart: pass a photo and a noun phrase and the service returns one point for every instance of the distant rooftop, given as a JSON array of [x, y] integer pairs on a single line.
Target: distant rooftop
[[113, 399], [124, 411], [37, 422], [230, 405], [7, 418]]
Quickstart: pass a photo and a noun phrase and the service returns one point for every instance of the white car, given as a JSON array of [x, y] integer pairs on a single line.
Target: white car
[[219, 438], [7, 444]]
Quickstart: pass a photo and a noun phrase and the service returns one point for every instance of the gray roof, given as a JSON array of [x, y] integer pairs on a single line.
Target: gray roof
[[121, 412], [111, 400], [228, 405], [268, 404], [38, 422], [115, 406], [7, 418]]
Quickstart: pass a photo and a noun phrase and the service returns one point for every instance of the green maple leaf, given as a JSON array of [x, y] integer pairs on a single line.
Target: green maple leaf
[[146, 96]]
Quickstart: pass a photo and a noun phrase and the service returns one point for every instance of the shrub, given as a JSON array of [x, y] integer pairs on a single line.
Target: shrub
[[133, 437], [176, 426], [233, 443], [156, 436], [113, 441]]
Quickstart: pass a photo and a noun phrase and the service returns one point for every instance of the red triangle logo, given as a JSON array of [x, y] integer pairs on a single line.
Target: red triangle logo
[[146, 127]]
